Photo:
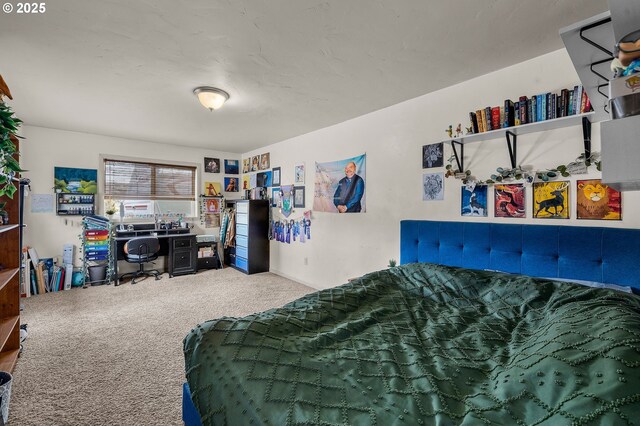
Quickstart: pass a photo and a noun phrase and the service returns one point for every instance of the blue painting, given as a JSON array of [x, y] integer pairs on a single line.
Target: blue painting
[[72, 180], [264, 179], [474, 201], [231, 167]]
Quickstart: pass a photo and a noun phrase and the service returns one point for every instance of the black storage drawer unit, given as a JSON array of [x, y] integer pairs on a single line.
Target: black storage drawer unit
[[182, 256], [208, 262], [252, 230]]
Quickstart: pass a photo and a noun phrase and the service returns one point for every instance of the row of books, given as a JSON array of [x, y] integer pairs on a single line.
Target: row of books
[[546, 106], [43, 275]]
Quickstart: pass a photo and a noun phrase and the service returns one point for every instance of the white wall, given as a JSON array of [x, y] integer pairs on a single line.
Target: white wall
[[344, 246], [46, 148]]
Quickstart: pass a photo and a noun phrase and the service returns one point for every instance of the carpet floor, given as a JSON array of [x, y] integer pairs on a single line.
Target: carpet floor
[[113, 355]]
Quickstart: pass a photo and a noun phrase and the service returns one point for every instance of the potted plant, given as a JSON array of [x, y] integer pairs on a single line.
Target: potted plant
[[9, 125], [110, 208]]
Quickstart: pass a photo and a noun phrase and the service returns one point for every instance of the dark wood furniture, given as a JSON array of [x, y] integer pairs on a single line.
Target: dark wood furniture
[[252, 236], [208, 262], [182, 255], [10, 259]]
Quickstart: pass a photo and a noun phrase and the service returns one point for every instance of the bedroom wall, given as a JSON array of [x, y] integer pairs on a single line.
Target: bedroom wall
[[344, 246], [46, 148]]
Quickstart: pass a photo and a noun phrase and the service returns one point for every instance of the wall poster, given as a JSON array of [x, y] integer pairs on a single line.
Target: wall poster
[[340, 186]]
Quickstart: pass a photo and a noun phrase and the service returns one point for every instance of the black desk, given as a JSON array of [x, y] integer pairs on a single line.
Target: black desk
[[179, 244]]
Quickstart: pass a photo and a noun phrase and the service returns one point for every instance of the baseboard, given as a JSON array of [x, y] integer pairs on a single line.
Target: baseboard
[[283, 275]]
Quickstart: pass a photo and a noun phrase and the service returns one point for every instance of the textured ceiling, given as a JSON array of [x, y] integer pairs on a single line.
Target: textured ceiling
[[127, 68]]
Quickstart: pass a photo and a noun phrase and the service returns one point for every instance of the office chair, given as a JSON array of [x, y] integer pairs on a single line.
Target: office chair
[[141, 250]]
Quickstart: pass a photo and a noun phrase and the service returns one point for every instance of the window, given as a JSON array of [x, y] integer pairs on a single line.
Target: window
[[146, 189]]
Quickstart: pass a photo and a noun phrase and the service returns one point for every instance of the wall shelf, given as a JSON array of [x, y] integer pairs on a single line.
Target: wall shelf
[[5, 228], [511, 134]]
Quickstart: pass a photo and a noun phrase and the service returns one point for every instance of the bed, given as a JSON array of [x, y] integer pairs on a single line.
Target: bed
[[445, 338]]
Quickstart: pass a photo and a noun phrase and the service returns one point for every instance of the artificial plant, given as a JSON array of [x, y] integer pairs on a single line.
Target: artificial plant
[[9, 125]]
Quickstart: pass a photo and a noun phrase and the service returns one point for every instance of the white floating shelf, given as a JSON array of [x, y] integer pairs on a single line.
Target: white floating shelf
[[523, 129]]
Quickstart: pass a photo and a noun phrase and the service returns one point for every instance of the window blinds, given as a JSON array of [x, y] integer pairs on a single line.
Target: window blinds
[[132, 180]]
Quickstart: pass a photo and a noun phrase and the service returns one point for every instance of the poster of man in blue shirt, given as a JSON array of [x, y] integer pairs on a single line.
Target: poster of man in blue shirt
[[340, 186], [349, 191]]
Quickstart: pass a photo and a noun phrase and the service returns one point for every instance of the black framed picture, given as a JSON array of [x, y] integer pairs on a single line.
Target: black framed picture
[[432, 155], [231, 167], [298, 196], [211, 165], [276, 176]]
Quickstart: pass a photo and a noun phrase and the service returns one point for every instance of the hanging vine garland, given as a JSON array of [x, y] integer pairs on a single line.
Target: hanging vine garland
[[502, 175]]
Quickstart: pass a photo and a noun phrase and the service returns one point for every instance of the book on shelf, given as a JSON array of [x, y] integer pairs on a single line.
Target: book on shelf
[[495, 118], [487, 114], [481, 120], [474, 122]]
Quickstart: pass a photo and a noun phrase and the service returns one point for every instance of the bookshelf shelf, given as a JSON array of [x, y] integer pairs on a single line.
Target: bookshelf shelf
[[7, 325], [8, 359], [5, 228], [511, 134], [6, 276]]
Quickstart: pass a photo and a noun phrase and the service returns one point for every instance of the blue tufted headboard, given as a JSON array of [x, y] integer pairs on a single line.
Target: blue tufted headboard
[[606, 255]]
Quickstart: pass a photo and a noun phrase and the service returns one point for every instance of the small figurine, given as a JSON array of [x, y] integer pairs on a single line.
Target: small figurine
[[469, 130], [450, 131], [459, 130]]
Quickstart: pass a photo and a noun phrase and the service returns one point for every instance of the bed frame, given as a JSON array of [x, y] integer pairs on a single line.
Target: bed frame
[[604, 255]]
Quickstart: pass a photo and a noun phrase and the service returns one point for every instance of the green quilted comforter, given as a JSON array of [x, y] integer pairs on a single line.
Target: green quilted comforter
[[429, 345]]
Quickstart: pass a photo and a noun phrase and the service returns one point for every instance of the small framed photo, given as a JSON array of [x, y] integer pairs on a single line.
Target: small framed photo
[[265, 162], [231, 167], [246, 165], [211, 165], [255, 163], [231, 184], [298, 196], [298, 173], [276, 176], [276, 197]]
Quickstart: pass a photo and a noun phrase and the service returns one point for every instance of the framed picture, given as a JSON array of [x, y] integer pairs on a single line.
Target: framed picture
[[265, 162], [474, 202], [298, 196], [276, 176], [509, 200], [598, 201], [231, 184], [433, 186], [212, 188], [81, 181], [551, 200], [298, 173], [276, 197], [211, 165], [231, 167], [213, 205], [264, 179], [255, 163], [246, 165], [432, 155]]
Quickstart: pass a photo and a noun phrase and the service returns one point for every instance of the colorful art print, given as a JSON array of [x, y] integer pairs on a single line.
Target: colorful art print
[[474, 202], [432, 155], [551, 200], [246, 182], [213, 205], [264, 179], [212, 188], [598, 201], [253, 180], [246, 165], [231, 184], [255, 163], [298, 173], [72, 180], [509, 200], [432, 186], [334, 191], [231, 167], [276, 176], [287, 200], [211, 165], [298, 196], [276, 197], [265, 162]]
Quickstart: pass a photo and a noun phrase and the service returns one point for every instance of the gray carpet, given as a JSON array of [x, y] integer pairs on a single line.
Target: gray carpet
[[113, 355]]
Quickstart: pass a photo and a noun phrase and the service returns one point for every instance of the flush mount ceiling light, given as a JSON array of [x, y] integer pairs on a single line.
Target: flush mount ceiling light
[[211, 97]]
